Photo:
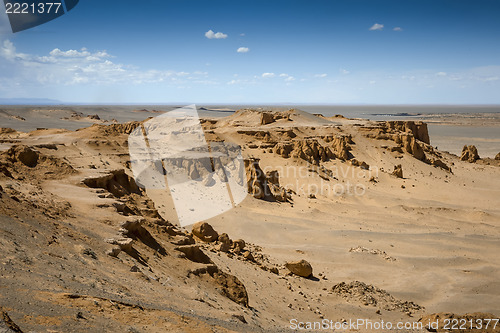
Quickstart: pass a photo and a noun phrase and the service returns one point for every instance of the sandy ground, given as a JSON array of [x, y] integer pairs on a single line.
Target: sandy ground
[[422, 244]]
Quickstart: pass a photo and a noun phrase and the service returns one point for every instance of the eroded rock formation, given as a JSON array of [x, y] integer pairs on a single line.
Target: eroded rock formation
[[469, 154]]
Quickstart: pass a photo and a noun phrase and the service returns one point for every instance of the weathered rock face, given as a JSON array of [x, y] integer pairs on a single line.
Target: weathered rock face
[[205, 232], [266, 118], [117, 129], [278, 192], [410, 145], [398, 171], [256, 180], [418, 129], [314, 152], [263, 186], [27, 156], [340, 144], [411, 137], [497, 157], [300, 268], [469, 154]]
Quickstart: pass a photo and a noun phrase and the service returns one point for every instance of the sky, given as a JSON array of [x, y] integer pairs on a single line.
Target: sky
[[259, 52]]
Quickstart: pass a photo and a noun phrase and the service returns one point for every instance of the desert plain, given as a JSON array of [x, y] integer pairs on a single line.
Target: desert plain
[[393, 228]]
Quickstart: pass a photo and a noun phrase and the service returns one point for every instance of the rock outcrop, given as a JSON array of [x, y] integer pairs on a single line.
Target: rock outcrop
[[398, 171], [412, 138], [205, 232], [418, 129], [369, 295], [410, 145], [497, 157], [469, 154], [224, 243], [301, 268], [29, 162], [273, 181], [116, 129], [27, 156], [117, 182], [264, 186], [314, 152]]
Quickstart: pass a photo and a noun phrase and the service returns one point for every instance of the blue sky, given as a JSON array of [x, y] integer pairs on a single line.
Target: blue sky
[[325, 52]]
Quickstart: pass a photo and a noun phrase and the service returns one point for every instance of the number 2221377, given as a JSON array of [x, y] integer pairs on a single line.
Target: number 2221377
[[33, 8]]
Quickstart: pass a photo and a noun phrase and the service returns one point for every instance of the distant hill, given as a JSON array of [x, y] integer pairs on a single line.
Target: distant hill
[[29, 101]]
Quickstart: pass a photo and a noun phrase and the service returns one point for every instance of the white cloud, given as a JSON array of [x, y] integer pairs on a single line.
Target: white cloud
[[268, 75], [243, 50], [376, 26], [290, 79], [8, 51], [69, 53], [68, 67], [321, 75], [242, 35], [234, 82], [397, 29], [284, 75], [344, 71], [441, 74], [215, 35]]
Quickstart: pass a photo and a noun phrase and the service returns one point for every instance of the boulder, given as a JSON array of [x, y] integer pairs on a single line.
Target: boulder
[[247, 255], [224, 243], [239, 243], [205, 232], [231, 287], [361, 164], [125, 244], [398, 171], [114, 252], [238, 246], [469, 154], [497, 157], [300, 268]]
